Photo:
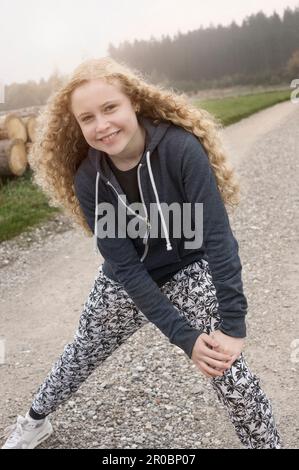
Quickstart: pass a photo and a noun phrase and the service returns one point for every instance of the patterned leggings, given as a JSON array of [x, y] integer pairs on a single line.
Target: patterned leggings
[[110, 316]]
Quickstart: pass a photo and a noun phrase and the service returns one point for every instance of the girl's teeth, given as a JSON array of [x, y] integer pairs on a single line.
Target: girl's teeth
[[107, 139]]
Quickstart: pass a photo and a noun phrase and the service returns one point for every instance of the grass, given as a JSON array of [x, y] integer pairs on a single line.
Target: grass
[[23, 205], [233, 109]]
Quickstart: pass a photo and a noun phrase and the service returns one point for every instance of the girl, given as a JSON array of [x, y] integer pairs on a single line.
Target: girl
[[109, 142]]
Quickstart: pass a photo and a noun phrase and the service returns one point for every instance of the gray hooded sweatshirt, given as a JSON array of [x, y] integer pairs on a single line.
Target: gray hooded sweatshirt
[[174, 168]]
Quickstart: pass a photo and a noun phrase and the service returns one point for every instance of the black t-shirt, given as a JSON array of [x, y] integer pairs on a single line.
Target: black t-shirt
[[128, 181]]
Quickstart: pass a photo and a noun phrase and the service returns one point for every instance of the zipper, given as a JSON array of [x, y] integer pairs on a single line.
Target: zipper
[[129, 208], [144, 219], [148, 224]]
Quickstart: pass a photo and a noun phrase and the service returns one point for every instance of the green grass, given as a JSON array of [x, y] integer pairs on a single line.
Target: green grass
[[233, 109], [23, 205]]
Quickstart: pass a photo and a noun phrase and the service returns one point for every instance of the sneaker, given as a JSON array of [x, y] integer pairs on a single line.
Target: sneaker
[[27, 433]]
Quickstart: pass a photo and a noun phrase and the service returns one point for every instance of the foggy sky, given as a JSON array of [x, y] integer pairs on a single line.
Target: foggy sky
[[39, 37]]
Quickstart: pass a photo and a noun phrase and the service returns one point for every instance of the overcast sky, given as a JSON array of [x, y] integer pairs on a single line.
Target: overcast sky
[[37, 37]]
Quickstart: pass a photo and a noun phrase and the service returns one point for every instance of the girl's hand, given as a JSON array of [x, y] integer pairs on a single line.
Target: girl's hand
[[228, 344], [208, 359]]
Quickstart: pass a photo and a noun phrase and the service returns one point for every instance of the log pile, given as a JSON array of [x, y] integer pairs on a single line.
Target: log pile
[[17, 132]]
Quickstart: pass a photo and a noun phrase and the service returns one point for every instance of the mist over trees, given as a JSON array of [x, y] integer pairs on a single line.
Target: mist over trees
[[31, 93], [261, 51], [256, 52]]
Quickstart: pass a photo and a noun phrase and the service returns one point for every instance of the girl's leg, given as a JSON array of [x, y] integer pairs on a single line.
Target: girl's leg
[[109, 317], [192, 291], [248, 406]]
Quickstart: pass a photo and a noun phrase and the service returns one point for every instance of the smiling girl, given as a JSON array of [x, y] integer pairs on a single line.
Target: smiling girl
[[108, 136]]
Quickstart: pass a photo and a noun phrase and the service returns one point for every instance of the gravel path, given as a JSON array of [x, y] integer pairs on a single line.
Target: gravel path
[[148, 394]]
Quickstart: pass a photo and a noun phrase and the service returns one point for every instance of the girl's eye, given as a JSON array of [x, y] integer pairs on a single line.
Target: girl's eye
[[106, 109]]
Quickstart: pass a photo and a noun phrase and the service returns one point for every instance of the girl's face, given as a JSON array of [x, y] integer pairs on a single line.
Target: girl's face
[[102, 109]]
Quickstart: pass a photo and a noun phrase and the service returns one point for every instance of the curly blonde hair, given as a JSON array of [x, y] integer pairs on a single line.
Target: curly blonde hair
[[60, 145]]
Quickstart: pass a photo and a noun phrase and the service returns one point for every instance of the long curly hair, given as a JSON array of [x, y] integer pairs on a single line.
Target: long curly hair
[[60, 145]]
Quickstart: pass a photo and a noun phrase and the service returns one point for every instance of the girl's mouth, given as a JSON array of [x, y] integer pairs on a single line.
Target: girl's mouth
[[110, 138]]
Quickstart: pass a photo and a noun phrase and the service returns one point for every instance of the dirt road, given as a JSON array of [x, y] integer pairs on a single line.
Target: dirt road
[[44, 285]]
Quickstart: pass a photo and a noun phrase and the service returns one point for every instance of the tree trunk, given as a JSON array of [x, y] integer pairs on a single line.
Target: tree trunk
[[13, 157], [15, 127], [3, 133], [30, 123]]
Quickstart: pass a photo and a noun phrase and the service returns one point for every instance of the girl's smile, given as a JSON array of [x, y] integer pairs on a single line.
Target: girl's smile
[[110, 138], [108, 120]]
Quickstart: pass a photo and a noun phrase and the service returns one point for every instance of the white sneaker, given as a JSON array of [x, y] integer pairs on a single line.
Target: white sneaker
[[27, 433]]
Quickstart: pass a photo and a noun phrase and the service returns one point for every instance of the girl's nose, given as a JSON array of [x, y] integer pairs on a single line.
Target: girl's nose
[[101, 126]]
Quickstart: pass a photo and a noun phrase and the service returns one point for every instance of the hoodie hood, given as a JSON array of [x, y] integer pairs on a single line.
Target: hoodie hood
[[154, 134]]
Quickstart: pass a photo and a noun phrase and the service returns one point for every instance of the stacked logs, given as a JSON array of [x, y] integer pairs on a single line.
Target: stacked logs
[[17, 132]]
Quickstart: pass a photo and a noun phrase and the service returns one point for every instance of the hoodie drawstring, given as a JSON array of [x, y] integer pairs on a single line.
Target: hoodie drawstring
[[168, 244]]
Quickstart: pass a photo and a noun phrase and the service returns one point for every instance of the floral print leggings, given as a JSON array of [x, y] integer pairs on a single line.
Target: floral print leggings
[[110, 316]]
